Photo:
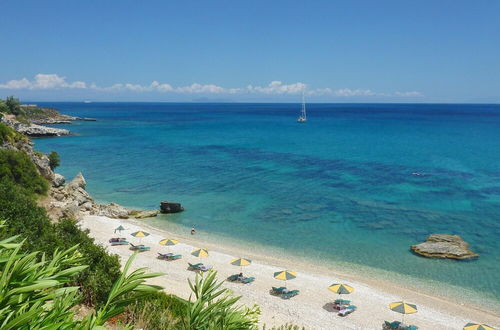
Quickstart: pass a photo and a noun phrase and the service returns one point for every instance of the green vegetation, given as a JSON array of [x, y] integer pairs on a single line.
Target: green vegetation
[[157, 311], [10, 105], [7, 134], [54, 160], [17, 167], [34, 295], [23, 217]]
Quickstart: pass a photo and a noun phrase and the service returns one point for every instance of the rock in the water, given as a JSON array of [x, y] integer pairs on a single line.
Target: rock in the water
[[58, 180], [170, 207], [444, 246], [146, 214], [113, 210]]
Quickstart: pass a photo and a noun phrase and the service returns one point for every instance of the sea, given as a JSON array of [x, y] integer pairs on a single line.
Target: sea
[[351, 189]]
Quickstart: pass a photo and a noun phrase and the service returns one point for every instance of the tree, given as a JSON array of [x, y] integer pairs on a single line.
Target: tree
[[54, 160], [13, 104]]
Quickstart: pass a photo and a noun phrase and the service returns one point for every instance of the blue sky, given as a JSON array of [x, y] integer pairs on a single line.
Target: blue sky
[[335, 51]]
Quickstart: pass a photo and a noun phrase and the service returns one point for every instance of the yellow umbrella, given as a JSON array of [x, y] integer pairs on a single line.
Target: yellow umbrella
[[168, 242], [200, 253], [140, 234], [403, 308], [477, 326], [241, 262], [341, 288], [285, 275]]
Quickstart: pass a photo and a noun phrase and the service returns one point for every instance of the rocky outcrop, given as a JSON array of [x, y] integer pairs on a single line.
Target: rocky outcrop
[[58, 180], [146, 214], [113, 210], [444, 246], [31, 129], [170, 207]]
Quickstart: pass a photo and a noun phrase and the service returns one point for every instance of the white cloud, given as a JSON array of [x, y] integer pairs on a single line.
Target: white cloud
[[43, 81], [54, 81]]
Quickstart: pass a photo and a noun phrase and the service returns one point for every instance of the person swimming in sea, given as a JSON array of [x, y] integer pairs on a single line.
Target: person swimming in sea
[[193, 231]]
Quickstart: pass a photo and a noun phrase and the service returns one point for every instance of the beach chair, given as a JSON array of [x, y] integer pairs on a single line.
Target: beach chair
[[290, 294], [140, 248], [164, 256], [117, 239], [204, 268], [247, 280], [194, 267], [174, 257], [348, 310], [233, 278], [120, 242], [277, 291], [411, 327], [391, 325]]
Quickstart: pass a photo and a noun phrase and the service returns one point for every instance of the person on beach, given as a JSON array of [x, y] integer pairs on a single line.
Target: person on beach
[[240, 276], [193, 231]]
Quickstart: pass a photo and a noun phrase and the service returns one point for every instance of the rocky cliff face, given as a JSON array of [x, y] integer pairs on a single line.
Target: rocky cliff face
[[64, 200], [31, 129]]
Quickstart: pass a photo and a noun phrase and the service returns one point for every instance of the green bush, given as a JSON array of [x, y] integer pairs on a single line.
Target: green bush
[[13, 105], [18, 167], [7, 134], [23, 216], [157, 311], [54, 160]]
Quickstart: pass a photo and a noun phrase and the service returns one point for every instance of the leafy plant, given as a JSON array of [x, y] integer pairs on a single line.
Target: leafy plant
[[33, 295], [157, 311], [54, 160], [215, 308]]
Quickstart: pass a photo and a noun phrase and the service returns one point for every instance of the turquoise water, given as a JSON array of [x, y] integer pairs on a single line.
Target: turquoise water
[[358, 183]]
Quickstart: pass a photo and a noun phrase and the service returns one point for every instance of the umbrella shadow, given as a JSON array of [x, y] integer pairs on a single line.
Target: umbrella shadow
[[329, 307]]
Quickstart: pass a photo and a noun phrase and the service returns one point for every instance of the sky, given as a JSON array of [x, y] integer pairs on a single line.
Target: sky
[[251, 51]]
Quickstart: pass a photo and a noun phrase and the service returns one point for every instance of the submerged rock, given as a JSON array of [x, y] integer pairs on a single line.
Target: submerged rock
[[444, 246]]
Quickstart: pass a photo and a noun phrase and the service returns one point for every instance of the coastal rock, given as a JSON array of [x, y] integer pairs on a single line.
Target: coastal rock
[[35, 130], [170, 207], [78, 182], [113, 210], [58, 180], [444, 246], [146, 214]]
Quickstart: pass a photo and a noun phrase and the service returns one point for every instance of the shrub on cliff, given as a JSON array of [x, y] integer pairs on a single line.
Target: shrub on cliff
[[157, 311], [54, 160], [8, 134], [18, 167], [23, 216]]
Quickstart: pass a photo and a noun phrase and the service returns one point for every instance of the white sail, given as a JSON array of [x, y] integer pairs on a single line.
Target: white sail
[[303, 114]]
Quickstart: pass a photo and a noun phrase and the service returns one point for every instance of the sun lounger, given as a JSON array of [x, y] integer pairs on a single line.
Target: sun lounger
[[411, 327], [195, 267], [290, 294], [247, 280], [169, 256], [117, 239], [392, 325], [342, 302], [348, 310], [277, 291], [204, 268], [140, 248], [115, 243], [233, 278]]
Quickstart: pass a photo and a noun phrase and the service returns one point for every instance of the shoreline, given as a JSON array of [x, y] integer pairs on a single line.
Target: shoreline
[[308, 309]]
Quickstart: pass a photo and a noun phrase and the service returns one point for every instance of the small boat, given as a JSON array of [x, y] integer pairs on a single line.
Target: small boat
[[87, 101], [303, 115]]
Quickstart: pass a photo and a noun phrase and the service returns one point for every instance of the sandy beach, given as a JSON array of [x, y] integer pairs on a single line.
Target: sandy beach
[[311, 308]]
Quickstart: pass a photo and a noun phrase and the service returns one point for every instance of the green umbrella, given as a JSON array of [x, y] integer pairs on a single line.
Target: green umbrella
[[119, 229]]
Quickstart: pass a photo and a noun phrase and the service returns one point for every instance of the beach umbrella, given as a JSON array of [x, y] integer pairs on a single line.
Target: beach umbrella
[[119, 229], [341, 288], [403, 308], [477, 326], [241, 262], [168, 242], [200, 253], [140, 234], [285, 275]]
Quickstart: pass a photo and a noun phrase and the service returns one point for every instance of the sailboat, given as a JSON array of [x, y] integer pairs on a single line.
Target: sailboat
[[303, 115]]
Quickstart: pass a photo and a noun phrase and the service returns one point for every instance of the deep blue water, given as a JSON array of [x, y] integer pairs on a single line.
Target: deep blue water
[[358, 183]]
